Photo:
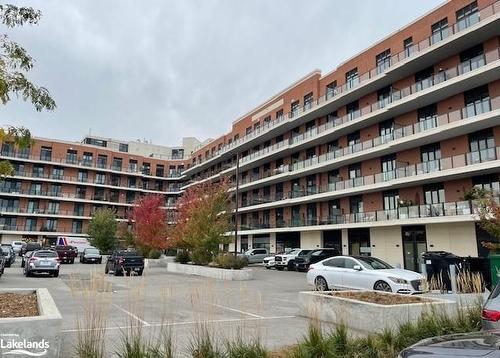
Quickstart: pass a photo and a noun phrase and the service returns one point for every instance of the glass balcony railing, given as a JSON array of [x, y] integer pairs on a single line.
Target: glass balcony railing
[[409, 171], [398, 133], [332, 93], [448, 209]]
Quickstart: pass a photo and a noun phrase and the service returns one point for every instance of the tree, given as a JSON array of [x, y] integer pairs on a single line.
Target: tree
[[150, 222], [203, 219], [489, 216], [16, 136], [15, 61], [102, 229]]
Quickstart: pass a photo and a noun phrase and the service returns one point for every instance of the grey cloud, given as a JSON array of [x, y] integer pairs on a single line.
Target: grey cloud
[[162, 70]]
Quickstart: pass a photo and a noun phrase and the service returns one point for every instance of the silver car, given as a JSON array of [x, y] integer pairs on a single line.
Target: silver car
[[491, 310], [42, 261]]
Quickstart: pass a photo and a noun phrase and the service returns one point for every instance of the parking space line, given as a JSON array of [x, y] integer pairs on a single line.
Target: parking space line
[[237, 311], [185, 323], [131, 315]]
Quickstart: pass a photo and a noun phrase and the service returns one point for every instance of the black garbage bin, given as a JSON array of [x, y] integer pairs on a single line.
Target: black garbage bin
[[437, 265]]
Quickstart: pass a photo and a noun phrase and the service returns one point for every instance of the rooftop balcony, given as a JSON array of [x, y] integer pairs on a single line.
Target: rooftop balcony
[[477, 28]]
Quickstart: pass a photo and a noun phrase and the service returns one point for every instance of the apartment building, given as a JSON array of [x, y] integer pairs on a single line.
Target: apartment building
[[376, 157], [57, 185]]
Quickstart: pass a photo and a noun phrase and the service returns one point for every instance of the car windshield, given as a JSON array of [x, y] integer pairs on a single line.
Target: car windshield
[[373, 263], [294, 252], [45, 254], [92, 251], [128, 253]]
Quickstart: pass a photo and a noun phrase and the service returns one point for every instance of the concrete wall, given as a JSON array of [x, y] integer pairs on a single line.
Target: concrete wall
[[212, 272], [8, 238], [310, 239], [458, 238], [387, 244]]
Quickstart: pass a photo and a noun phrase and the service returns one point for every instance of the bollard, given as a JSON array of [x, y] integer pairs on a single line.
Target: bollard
[[453, 278]]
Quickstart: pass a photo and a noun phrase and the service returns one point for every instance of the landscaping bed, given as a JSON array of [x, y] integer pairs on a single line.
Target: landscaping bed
[[380, 298], [18, 305], [212, 272]]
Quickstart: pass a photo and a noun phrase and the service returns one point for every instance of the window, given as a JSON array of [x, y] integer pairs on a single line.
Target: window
[[279, 191], [331, 117], [102, 161], [352, 110], [356, 204], [488, 182], [439, 31], [87, 159], [280, 220], [97, 142], [53, 207], [391, 199], [19, 169], [256, 127], [76, 226], [296, 221], [408, 46], [78, 209], [335, 262], [427, 117], [386, 128], [431, 155], [434, 193], [388, 164], [311, 153], [8, 149], [57, 173], [37, 171], [354, 171], [331, 89], [353, 139], [117, 164], [472, 58], [55, 190], [248, 130], [334, 209], [146, 168], [384, 96], [333, 145], [71, 156], [131, 182], [312, 218], [130, 198], [311, 184], [308, 101], [122, 147], [33, 206], [482, 146], [8, 223], [352, 78], [100, 178], [83, 176], [132, 166], [46, 153], [383, 60], [81, 192], [160, 170], [423, 78], [267, 121], [294, 108], [477, 101], [10, 205], [51, 225], [279, 115], [30, 224], [467, 16], [98, 194], [36, 189]]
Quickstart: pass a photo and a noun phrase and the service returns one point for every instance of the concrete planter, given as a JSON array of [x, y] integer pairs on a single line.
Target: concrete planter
[[38, 335], [366, 317], [161, 262], [212, 272]]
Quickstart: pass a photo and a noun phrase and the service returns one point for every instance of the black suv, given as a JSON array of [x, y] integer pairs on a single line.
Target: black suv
[[302, 262], [29, 246]]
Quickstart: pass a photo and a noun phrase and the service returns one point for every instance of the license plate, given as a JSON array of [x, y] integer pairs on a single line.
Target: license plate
[[44, 263]]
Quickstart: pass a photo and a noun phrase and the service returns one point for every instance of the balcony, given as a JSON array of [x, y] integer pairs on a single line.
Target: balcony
[[408, 61], [403, 176], [434, 128], [449, 211]]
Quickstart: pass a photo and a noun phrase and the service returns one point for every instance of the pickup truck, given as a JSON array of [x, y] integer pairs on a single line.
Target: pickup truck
[[255, 255], [287, 259], [124, 262], [67, 253]]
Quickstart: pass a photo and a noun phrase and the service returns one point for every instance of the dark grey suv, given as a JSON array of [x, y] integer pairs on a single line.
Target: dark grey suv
[[491, 310]]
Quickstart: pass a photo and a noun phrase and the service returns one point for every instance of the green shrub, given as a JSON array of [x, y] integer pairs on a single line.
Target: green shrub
[[182, 257], [154, 254], [241, 349], [201, 257], [229, 261]]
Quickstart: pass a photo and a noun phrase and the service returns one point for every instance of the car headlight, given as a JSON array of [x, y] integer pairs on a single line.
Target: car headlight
[[398, 280]]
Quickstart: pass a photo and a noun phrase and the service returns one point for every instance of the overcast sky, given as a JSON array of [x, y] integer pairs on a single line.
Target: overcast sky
[[161, 70]]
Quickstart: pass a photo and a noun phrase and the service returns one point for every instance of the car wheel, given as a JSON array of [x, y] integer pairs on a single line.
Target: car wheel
[[72, 261], [27, 273], [139, 273], [56, 274], [290, 266], [117, 273], [7, 264], [106, 269], [320, 284], [268, 268], [100, 261], [128, 273], [279, 268], [382, 286]]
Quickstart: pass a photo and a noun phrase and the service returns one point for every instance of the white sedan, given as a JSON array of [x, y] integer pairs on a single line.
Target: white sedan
[[363, 273]]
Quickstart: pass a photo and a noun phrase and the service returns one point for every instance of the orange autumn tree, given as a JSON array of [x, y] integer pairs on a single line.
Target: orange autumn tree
[[149, 222], [203, 219], [489, 216]]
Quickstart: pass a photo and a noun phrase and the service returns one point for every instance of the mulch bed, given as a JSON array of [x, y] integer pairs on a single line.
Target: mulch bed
[[18, 305], [380, 298]]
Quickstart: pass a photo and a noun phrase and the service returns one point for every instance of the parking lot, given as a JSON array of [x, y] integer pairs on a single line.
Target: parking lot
[[264, 307]]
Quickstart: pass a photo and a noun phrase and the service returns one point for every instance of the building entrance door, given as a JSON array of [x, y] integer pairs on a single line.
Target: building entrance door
[[414, 244]]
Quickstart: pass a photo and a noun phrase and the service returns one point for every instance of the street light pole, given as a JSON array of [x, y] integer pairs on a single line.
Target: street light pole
[[237, 205]]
